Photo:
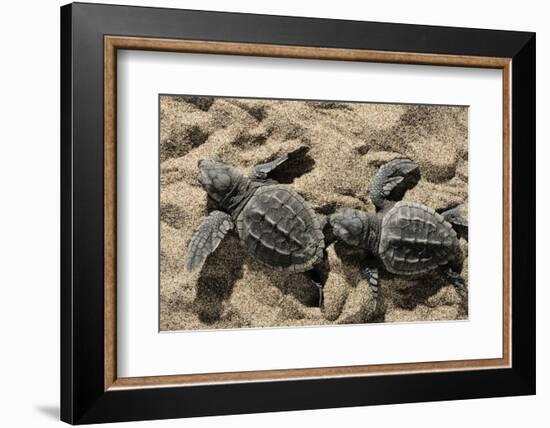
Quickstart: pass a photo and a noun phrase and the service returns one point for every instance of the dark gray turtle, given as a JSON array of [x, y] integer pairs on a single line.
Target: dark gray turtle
[[274, 223], [404, 238]]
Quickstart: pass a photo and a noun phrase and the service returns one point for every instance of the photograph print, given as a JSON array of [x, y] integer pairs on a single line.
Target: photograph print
[[281, 213]]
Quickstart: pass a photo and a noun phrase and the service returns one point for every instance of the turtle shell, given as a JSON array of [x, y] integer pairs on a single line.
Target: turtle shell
[[414, 239], [279, 228]]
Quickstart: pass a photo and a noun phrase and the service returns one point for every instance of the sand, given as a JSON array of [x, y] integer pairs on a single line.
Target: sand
[[346, 143]]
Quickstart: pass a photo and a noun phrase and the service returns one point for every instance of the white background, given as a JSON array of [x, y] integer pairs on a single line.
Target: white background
[[29, 242], [142, 351]]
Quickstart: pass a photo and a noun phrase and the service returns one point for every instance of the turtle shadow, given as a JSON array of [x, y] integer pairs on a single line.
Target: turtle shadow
[[462, 231], [221, 270], [412, 292], [354, 261], [300, 286]]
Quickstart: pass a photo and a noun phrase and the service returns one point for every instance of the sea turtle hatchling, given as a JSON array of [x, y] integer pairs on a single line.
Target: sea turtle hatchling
[[274, 223], [404, 238]]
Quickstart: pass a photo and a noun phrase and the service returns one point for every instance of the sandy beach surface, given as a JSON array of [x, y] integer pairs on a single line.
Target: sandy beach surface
[[345, 143]]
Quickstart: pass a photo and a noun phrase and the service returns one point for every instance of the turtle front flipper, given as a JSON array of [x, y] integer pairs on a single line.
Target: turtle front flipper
[[285, 168], [370, 273], [263, 170], [391, 182], [207, 238]]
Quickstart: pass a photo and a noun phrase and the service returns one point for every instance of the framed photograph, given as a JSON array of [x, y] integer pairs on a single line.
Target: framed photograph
[[266, 213]]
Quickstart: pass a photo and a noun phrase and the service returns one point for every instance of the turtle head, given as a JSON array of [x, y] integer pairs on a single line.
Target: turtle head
[[217, 178], [353, 227]]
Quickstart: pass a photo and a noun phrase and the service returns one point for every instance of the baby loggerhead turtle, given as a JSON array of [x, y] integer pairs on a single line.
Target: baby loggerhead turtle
[[273, 222], [404, 238]]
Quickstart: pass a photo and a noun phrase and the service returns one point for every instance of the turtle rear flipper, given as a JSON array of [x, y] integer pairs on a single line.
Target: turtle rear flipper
[[207, 238], [392, 180], [319, 274], [459, 223], [458, 283]]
